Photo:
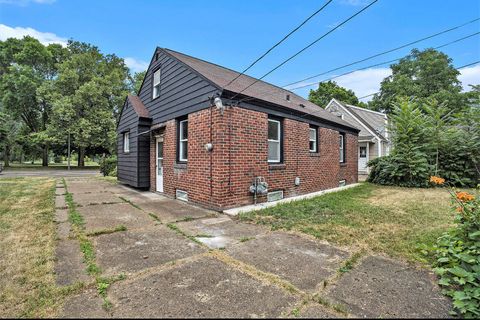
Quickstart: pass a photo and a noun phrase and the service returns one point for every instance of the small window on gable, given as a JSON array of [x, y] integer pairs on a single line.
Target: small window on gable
[[342, 147], [156, 84], [126, 142], [313, 144]]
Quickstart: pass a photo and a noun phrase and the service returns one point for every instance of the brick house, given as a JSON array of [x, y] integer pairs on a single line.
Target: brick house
[[191, 136]]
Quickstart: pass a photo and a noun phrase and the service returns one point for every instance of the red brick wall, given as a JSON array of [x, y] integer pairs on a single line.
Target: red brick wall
[[244, 133]]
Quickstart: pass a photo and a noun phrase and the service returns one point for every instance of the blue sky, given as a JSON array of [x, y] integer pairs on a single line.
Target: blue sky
[[234, 33]]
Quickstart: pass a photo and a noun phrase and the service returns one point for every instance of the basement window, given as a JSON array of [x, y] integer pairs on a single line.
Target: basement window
[[181, 195], [156, 84], [275, 195], [126, 142], [342, 183]]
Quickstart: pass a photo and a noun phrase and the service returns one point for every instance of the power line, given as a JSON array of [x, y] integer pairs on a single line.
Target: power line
[[370, 66], [308, 46], [279, 42], [381, 63], [385, 52], [459, 68]]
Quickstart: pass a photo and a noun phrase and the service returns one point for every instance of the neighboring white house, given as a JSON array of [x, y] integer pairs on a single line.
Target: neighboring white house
[[373, 138]]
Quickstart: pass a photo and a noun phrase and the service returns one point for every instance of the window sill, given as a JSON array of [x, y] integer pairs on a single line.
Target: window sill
[[314, 154], [277, 166], [180, 165], [343, 164]]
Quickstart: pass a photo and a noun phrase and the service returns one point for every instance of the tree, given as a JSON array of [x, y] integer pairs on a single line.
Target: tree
[[86, 97], [328, 90], [421, 75], [25, 65], [9, 129], [136, 81]]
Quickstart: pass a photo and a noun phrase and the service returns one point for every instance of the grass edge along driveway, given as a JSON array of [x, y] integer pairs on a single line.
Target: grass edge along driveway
[[379, 219]]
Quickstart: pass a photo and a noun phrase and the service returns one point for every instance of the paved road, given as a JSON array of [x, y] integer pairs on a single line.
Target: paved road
[[182, 261], [48, 173]]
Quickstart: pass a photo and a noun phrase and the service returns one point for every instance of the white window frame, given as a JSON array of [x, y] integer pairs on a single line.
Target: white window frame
[[279, 142], [314, 150], [156, 84], [126, 142], [342, 147], [181, 125]]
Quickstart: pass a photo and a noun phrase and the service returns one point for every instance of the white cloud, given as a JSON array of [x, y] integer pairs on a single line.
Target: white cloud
[[26, 2], [364, 82], [469, 75], [136, 65], [19, 32]]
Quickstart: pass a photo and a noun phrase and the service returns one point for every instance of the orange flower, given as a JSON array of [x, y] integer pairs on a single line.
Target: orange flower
[[465, 196], [459, 209], [437, 180]]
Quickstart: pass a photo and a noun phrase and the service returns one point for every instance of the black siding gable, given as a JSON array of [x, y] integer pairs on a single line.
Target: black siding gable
[[182, 90]]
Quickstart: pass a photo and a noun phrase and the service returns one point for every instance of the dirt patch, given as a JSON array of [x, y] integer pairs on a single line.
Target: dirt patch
[[133, 251], [392, 196], [383, 288], [202, 289], [303, 262]]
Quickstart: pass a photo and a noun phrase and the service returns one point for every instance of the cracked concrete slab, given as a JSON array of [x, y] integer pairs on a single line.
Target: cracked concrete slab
[[221, 232], [69, 266], [86, 305], [105, 216], [132, 251], [63, 230], [85, 199], [303, 262], [316, 311], [382, 288], [61, 215], [86, 187], [60, 202], [206, 288], [174, 210]]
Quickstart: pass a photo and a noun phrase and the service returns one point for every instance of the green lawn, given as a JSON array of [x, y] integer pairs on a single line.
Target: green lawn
[[27, 246], [373, 218]]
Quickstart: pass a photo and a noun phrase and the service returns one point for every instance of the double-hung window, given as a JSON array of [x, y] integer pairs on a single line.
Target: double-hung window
[[126, 142], [183, 140], [313, 144], [342, 147], [274, 141], [156, 84]]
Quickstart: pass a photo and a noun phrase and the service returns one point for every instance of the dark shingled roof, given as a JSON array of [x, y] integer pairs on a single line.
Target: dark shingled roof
[[138, 106], [261, 90]]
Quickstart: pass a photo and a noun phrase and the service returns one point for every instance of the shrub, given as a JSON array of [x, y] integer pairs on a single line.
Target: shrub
[[108, 166], [457, 255], [57, 159]]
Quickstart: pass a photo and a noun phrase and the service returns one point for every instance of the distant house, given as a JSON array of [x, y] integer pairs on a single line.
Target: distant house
[[373, 139], [192, 135]]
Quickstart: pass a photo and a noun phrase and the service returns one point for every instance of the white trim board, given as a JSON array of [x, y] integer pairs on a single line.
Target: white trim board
[[263, 205]]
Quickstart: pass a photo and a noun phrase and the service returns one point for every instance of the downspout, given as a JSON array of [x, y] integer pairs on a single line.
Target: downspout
[[211, 156], [379, 147]]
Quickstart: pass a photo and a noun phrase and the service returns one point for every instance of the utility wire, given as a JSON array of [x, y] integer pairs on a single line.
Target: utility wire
[[385, 52], [279, 42], [308, 46], [381, 63], [370, 66], [459, 68]]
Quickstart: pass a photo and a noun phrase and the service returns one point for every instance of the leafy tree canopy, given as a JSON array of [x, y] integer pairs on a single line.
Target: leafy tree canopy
[[423, 75], [326, 91]]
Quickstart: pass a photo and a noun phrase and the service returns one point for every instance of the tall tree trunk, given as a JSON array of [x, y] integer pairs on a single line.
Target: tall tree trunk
[[45, 156], [81, 157], [6, 156]]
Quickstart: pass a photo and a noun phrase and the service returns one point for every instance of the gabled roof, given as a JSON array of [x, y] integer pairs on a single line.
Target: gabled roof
[[138, 106], [373, 121], [261, 90]]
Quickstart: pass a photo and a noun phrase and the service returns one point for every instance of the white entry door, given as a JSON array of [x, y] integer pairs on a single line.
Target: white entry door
[[160, 164], [362, 157]]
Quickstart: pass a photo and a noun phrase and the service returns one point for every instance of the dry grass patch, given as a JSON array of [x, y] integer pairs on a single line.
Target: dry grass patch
[[387, 220], [27, 245]]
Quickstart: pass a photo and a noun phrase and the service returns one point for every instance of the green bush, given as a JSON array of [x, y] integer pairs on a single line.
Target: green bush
[[457, 256], [108, 166], [57, 159]]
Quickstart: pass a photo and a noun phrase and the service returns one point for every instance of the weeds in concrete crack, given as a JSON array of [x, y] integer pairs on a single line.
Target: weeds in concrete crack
[[175, 228], [95, 233], [131, 203], [324, 302], [351, 262], [102, 284], [155, 217], [245, 239]]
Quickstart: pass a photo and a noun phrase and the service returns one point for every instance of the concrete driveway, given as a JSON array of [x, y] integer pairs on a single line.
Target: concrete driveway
[[172, 259], [13, 173]]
